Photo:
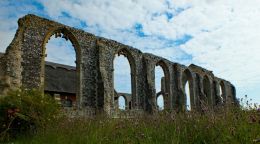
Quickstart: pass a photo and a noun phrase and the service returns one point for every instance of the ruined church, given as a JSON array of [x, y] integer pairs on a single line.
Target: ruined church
[[23, 65]]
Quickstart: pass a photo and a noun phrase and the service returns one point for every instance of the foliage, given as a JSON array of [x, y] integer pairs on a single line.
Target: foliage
[[226, 124], [25, 111]]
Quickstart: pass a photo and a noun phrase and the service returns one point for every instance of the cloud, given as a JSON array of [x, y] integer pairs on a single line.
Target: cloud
[[222, 36], [10, 12], [60, 51], [225, 38]]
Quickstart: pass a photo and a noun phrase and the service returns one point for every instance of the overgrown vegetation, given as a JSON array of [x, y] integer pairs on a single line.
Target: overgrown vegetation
[[25, 112], [232, 125]]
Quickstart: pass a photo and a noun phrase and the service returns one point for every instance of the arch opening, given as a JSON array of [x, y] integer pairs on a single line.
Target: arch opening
[[161, 84], [60, 51], [60, 72], [160, 102], [122, 103], [123, 79], [159, 79], [187, 89], [187, 92], [222, 92]]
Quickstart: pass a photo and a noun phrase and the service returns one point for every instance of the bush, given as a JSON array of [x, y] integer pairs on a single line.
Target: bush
[[24, 111]]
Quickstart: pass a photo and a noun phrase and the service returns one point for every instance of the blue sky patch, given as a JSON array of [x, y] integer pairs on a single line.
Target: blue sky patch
[[65, 14], [38, 5], [175, 42], [169, 15], [83, 24], [179, 10], [185, 57], [139, 30], [184, 39]]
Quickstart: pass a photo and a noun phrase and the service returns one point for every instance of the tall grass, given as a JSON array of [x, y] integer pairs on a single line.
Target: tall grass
[[233, 126], [226, 125]]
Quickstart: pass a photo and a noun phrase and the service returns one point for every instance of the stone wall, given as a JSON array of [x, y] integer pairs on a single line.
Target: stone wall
[[23, 66]]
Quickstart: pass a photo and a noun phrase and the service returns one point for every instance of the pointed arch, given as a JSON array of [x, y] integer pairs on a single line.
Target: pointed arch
[[187, 87], [65, 33], [132, 64], [129, 56], [222, 91], [165, 85], [160, 102], [166, 72], [122, 102]]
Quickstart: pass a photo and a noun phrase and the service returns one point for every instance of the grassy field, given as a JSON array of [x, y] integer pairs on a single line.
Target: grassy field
[[230, 126]]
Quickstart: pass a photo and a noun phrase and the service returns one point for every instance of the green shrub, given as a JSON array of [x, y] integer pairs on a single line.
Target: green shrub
[[24, 111]]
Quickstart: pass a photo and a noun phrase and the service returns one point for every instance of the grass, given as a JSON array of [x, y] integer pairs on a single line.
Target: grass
[[27, 116], [233, 126]]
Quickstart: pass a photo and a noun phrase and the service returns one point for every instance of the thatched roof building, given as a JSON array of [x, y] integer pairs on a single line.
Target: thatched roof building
[[60, 78]]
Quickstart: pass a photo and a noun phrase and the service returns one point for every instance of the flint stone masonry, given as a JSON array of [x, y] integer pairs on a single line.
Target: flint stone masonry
[[23, 65]]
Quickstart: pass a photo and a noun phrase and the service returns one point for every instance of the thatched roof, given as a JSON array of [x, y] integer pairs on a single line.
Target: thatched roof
[[60, 78]]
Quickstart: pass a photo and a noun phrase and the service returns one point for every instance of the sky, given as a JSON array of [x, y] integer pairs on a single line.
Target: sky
[[220, 35]]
